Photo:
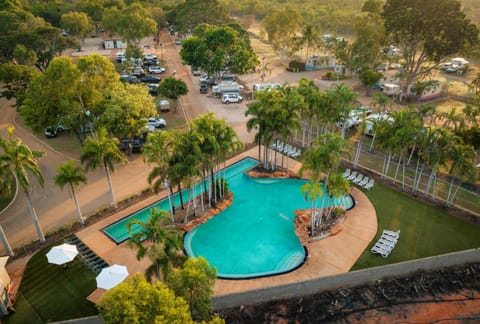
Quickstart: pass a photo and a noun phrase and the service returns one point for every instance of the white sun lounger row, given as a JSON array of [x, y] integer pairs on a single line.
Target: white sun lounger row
[[359, 179], [286, 149], [386, 243]]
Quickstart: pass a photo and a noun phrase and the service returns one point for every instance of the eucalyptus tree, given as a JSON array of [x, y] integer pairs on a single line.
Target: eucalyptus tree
[[131, 23], [72, 176], [22, 162], [282, 25], [158, 240], [102, 151], [158, 150], [425, 34], [77, 24]]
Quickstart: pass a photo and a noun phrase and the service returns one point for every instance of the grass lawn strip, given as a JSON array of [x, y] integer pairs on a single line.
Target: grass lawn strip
[[425, 230], [54, 293]]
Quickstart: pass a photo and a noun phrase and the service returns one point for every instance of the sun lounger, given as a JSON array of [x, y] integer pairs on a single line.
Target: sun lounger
[[358, 178], [352, 176], [346, 173], [364, 181], [391, 233], [296, 154], [370, 184], [386, 243]]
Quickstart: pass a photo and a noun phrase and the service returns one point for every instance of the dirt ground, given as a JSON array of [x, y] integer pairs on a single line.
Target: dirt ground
[[449, 295]]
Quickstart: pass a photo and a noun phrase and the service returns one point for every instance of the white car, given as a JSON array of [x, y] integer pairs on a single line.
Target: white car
[[156, 122], [150, 57], [231, 97], [156, 70]]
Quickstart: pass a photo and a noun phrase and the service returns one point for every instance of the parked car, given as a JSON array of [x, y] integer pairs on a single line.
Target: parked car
[[178, 41], [150, 56], [156, 122], [138, 72], [196, 72], [150, 79], [207, 79], [153, 89], [51, 132], [163, 105], [231, 98], [135, 145], [129, 79], [156, 70], [203, 88], [149, 63]]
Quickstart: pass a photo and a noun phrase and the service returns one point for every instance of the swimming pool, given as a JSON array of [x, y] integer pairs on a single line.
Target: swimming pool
[[254, 237]]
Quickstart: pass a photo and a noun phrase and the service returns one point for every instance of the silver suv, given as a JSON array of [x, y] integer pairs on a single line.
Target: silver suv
[[231, 97]]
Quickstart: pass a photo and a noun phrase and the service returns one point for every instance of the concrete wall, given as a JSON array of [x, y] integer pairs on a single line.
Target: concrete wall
[[349, 279]]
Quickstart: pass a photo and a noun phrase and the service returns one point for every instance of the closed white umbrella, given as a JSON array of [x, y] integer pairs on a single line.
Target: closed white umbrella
[[111, 276], [62, 254]]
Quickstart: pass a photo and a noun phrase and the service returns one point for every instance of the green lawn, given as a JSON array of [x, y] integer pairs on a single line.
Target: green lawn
[[425, 230], [48, 292]]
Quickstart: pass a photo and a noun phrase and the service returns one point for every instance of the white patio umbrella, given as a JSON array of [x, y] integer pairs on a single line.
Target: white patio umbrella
[[61, 254], [111, 276]]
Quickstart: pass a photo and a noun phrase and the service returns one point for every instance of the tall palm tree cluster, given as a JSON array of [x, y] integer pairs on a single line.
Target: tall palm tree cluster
[[280, 114], [434, 139], [185, 158]]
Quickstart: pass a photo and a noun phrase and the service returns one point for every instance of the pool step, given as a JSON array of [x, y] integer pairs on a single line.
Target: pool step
[[93, 261], [291, 260]]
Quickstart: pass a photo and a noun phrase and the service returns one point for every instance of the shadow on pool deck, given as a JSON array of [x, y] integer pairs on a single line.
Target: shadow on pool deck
[[330, 256]]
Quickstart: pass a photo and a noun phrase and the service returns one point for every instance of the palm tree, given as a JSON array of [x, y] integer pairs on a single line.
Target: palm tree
[[102, 151], [345, 99], [312, 190], [462, 167], [21, 161], [157, 150], [325, 156], [338, 186], [158, 240], [310, 34], [69, 174]]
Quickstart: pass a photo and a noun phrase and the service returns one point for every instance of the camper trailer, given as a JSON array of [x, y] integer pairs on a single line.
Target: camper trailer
[[391, 89]]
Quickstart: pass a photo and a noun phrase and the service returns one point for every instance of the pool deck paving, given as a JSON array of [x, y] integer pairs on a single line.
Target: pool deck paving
[[330, 256]]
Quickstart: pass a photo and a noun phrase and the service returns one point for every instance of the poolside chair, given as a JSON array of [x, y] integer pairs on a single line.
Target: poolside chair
[[391, 233], [383, 252], [358, 178], [346, 173], [352, 176], [295, 153], [287, 148], [370, 184], [291, 151], [364, 181]]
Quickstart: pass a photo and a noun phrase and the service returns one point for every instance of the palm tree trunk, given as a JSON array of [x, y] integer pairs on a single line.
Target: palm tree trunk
[[357, 152], [172, 202], [447, 200], [371, 144], [107, 172], [180, 196], [77, 205], [398, 167], [452, 198], [411, 154], [35, 218], [6, 245]]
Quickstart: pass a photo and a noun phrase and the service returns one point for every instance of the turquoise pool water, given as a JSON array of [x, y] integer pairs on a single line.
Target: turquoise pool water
[[255, 236]]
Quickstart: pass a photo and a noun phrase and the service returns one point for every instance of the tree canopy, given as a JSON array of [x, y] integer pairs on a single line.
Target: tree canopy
[[427, 32]]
